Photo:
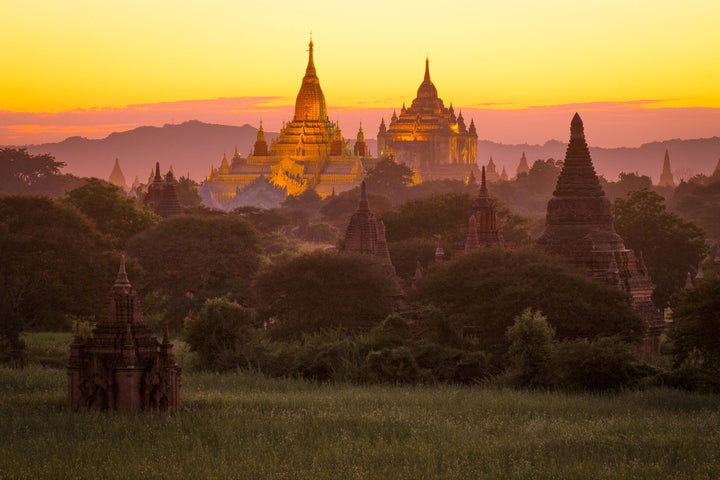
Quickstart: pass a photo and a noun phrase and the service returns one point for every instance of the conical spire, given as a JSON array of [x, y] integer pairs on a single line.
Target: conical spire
[[117, 177], [122, 280], [666, 177], [158, 177], [310, 70], [426, 89], [427, 70], [578, 178], [483, 184], [364, 205], [522, 166]]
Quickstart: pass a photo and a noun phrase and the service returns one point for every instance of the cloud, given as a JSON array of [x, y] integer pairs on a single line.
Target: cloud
[[608, 124]]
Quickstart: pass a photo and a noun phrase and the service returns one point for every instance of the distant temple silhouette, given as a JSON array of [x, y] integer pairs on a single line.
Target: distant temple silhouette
[[579, 227], [483, 228], [429, 137], [310, 152], [161, 195], [666, 177]]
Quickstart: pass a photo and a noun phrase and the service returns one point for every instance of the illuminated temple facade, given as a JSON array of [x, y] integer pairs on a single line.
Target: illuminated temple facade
[[429, 137], [310, 152]]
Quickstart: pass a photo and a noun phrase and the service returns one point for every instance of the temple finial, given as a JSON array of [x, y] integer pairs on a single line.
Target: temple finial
[[364, 205], [483, 184], [122, 278]]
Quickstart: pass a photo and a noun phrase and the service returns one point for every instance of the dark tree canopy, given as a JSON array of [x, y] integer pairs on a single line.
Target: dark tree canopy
[[389, 178], [320, 291], [186, 259], [53, 263], [20, 169], [670, 245], [627, 182], [700, 202], [114, 213], [488, 289], [696, 323]]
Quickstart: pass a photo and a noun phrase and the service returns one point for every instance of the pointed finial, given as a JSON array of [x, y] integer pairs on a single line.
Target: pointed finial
[[122, 278], [483, 184], [576, 128], [363, 197], [157, 172], [427, 68]]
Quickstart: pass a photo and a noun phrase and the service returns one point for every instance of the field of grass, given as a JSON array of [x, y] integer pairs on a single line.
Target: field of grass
[[241, 425]]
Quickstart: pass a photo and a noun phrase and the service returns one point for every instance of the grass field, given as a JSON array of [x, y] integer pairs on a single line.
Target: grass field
[[241, 425]]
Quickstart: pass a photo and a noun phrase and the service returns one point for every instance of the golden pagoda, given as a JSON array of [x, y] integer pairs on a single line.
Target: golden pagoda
[[429, 137], [310, 152]]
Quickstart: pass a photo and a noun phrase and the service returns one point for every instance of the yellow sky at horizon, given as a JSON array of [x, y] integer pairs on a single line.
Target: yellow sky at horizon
[[513, 54]]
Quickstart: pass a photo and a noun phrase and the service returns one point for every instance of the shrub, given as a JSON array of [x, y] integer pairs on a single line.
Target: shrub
[[218, 332], [606, 363], [531, 343]]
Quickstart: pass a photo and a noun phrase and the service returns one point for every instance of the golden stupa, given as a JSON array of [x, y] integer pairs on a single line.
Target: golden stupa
[[429, 137], [310, 152]]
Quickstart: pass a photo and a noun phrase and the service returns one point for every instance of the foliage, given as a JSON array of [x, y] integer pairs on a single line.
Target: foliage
[[670, 245], [531, 341], [218, 331], [264, 221], [187, 193], [406, 253], [389, 178], [696, 322], [21, 170], [338, 209], [487, 289], [53, 263], [445, 215], [320, 291], [700, 203], [111, 210], [187, 259], [605, 363], [627, 182], [321, 233]]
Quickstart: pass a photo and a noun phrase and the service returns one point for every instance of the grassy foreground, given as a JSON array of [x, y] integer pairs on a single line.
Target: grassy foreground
[[242, 425]]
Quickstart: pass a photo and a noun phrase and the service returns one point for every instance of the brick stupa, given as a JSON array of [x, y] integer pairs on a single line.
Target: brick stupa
[[122, 367], [161, 195], [483, 230], [579, 227]]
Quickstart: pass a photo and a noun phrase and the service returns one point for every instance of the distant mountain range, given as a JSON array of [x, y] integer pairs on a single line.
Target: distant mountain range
[[192, 147]]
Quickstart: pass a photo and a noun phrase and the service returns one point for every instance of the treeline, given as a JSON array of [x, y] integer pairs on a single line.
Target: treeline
[[263, 302]]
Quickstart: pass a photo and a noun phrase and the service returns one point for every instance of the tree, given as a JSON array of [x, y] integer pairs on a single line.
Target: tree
[[700, 202], [670, 245], [113, 213], [628, 182], [488, 289], [187, 259], [319, 291], [218, 332], [53, 263], [187, 193], [696, 322], [531, 342], [20, 169], [389, 178]]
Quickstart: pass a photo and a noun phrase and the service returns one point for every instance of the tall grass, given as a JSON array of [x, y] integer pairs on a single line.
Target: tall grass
[[240, 425]]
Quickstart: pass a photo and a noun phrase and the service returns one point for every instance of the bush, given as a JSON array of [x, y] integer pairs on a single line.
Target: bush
[[606, 363], [531, 345], [396, 365], [218, 333]]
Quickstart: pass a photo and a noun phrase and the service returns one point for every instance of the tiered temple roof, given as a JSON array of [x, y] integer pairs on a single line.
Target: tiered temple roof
[[161, 196], [522, 166], [122, 366], [429, 137], [309, 153], [579, 227]]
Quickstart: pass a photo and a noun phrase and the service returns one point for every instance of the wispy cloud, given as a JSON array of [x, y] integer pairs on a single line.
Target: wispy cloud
[[628, 123]]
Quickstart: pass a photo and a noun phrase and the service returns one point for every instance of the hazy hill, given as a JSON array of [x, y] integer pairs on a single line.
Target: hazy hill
[[194, 146], [189, 147]]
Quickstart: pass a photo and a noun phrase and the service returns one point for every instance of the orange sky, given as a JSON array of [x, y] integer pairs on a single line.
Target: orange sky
[[637, 71]]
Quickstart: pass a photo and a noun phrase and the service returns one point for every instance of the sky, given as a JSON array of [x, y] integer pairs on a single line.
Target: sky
[[636, 71]]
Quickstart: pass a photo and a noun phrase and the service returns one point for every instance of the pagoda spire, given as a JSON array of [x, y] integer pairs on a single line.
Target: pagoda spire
[[122, 280], [666, 177], [427, 69], [364, 205], [577, 177], [310, 70], [158, 177], [483, 185]]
